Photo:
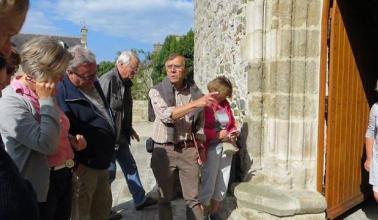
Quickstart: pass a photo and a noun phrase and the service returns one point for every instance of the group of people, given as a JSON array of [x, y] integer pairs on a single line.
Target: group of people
[[63, 130]]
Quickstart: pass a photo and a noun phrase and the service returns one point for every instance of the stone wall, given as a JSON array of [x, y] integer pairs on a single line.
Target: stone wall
[[283, 49], [140, 110], [270, 49], [219, 29]]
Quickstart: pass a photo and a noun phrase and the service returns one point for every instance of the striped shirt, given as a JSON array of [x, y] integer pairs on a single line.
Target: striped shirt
[[165, 129]]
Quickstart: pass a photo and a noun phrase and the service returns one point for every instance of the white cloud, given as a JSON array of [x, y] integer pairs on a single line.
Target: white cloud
[[37, 22], [148, 21]]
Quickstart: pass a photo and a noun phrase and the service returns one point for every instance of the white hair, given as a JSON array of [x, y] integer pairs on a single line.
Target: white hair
[[125, 57]]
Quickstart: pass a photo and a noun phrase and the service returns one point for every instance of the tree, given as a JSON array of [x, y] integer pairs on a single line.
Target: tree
[[104, 66], [142, 81], [151, 68], [173, 44]]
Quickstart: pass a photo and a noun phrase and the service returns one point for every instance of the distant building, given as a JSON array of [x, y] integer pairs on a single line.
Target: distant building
[[178, 37], [84, 34], [157, 47], [20, 39], [67, 41]]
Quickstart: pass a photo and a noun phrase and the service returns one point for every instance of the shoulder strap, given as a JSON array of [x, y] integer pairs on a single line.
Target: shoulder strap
[[151, 113]]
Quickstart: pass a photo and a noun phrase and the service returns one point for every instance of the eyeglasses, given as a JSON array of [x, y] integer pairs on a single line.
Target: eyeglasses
[[133, 68], [176, 67], [85, 78]]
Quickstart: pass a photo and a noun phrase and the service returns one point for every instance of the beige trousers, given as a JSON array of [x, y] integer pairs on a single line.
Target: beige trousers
[[92, 197], [166, 163]]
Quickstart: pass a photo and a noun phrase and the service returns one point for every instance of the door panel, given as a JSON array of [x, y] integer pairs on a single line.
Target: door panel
[[348, 109]]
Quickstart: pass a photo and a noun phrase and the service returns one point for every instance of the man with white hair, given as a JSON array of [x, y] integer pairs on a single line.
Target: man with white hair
[[81, 98], [116, 85]]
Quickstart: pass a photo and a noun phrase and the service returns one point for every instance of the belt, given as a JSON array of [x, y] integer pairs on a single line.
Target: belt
[[182, 144], [67, 164]]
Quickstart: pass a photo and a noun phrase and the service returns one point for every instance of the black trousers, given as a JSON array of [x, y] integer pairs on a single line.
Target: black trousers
[[59, 197]]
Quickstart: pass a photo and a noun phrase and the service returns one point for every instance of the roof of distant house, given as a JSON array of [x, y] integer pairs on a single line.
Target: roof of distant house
[[20, 39]]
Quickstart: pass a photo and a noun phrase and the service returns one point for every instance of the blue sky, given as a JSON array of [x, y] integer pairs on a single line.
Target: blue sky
[[114, 25]]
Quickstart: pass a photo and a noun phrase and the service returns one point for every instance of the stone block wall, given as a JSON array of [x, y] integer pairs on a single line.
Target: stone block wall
[[270, 49]]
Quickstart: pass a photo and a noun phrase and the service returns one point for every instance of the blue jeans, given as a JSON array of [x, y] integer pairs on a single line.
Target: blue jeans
[[126, 160]]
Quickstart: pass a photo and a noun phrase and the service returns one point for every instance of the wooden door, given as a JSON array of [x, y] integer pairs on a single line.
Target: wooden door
[[347, 116]]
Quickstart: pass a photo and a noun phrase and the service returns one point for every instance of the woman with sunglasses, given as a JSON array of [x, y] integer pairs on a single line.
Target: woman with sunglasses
[[35, 130]]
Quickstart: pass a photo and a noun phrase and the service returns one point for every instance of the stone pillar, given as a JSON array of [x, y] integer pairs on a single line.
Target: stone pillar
[[287, 35], [283, 50], [271, 51]]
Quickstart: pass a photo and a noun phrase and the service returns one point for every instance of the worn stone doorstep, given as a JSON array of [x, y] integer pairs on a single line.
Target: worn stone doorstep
[[279, 202]]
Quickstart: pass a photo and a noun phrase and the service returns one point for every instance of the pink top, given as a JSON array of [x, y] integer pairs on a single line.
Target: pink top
[[64, 151], [210, 121]]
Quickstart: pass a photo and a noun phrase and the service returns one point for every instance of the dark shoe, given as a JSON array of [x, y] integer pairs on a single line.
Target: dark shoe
[[115, 215], [154, 193], [148, 202]]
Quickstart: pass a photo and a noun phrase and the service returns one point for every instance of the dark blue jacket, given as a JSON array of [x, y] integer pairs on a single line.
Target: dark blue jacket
[[18, 200], [87, 120]]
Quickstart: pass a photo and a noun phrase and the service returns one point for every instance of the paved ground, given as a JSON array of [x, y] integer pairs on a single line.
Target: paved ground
[[365, 211], [122, 200]]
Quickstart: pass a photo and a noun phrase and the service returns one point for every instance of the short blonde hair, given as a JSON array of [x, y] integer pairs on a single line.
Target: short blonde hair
[[222, 85], [43, 58]]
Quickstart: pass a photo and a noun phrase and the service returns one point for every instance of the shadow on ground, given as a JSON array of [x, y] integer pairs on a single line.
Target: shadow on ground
[[367, 210], [149, 213]]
